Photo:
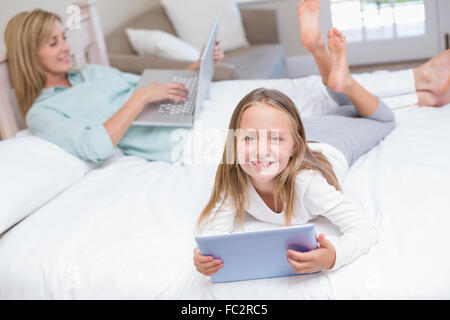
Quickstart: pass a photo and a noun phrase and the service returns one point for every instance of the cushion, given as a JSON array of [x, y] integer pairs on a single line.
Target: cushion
[[161, 44], [193, 19], [33, 172]]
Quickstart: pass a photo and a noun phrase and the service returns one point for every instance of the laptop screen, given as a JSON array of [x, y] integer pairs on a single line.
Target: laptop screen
[[207, 65]]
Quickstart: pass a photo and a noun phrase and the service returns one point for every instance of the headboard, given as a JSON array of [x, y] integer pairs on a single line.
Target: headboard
[[87, 45]]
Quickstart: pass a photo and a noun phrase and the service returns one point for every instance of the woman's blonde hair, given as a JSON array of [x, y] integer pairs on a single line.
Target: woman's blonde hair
[[25, 34], [231, 180]]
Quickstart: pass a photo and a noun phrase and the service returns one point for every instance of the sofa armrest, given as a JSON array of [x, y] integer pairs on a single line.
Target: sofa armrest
[[261, 25], [136, 64]]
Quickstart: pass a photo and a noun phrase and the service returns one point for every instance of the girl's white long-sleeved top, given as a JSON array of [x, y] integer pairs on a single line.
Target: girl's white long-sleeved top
[[314, 197]]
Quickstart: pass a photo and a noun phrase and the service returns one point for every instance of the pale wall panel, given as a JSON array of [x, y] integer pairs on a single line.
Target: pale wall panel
[[112, 13]]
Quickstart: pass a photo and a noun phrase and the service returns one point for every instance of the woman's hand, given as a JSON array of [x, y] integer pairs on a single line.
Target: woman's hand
[[322, 258], [118, 124], [218, 56], [163, 91], [218, 52], [206, 265]]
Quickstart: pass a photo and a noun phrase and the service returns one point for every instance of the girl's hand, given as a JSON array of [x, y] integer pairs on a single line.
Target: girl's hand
[[322, 258], [163, 91], [206, 265]]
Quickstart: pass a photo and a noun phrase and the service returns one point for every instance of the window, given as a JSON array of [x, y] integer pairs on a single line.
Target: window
[[367, 20]]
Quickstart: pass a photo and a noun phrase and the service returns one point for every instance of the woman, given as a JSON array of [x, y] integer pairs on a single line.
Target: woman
[[85, 112]]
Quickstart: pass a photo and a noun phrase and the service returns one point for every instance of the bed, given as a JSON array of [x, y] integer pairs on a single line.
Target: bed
[[125, 229]]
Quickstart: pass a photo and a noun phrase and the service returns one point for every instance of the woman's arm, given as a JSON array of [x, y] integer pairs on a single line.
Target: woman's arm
[[118, 124], [87, 142], [95, 143]]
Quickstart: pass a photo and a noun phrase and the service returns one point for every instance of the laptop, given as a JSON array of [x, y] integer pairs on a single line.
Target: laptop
[[180, 114], [257, 254]]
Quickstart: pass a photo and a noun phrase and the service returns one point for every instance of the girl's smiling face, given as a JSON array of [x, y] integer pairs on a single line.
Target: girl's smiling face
[[264, 142]]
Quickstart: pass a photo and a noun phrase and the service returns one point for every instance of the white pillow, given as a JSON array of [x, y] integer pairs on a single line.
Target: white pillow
[[33, 172], [161, 44], [193, 19]]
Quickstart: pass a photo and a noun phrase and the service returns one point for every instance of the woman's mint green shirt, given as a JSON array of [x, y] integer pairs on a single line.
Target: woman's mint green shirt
[[73, 117]]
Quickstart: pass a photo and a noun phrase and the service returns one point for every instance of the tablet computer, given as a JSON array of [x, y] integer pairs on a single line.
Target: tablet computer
[[257, 254]]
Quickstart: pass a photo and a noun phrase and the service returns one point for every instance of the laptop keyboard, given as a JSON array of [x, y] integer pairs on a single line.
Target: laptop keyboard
[[185, 107]]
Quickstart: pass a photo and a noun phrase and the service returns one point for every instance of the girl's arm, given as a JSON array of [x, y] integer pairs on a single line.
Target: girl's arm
[[359, 230], [218, 221]]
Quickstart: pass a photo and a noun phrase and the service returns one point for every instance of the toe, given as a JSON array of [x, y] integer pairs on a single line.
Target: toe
[[330, 33], [335, 32]]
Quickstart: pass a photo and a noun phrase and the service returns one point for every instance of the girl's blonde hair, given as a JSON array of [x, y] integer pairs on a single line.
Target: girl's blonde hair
[[25, 34], [231, 180]]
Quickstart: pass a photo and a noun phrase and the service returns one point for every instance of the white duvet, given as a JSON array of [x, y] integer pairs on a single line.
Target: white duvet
[[126, 230]]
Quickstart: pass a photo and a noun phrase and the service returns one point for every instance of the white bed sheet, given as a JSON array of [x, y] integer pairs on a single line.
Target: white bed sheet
[[127, 229]]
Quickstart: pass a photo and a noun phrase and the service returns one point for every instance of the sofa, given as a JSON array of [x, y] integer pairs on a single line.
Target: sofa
[[263, 59]]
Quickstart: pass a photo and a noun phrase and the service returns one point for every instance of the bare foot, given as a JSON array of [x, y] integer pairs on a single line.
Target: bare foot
[[434, 75], [429, 99], [308, 12], [339, 79], [443, 99]]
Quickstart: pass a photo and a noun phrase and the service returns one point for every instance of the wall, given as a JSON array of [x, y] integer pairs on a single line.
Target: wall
[[444, 20], [299, 61], [288, 22], [112, 12]]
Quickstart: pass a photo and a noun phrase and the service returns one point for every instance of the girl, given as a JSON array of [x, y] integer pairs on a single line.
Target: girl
[[272, 169], [85, 112], [280, 177]]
